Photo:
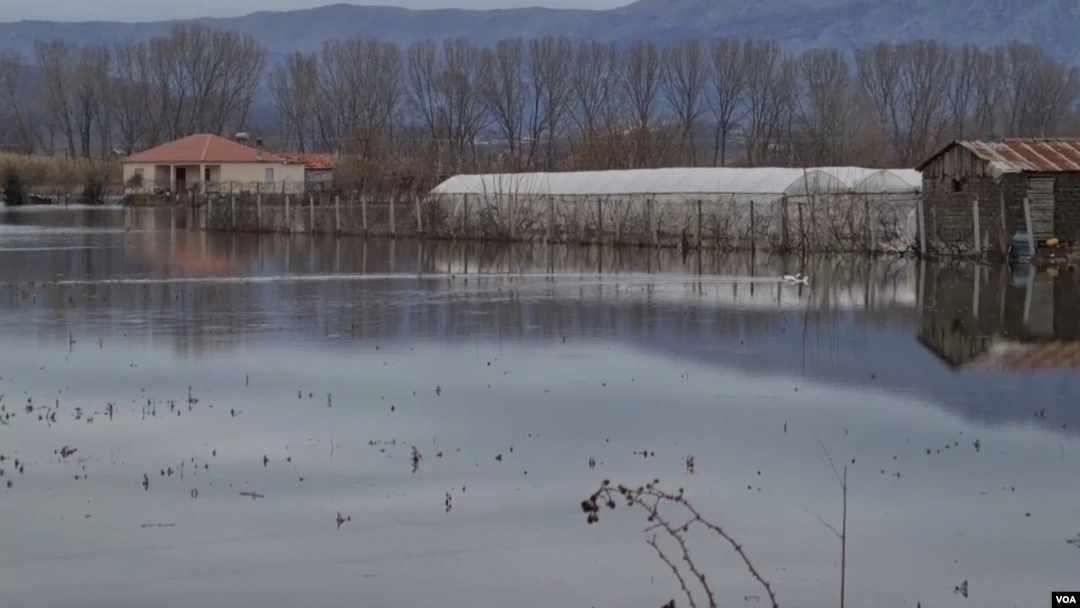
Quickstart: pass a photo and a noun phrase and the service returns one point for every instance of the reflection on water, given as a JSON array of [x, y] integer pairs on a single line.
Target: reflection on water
[[1010, 319], [305, 370]]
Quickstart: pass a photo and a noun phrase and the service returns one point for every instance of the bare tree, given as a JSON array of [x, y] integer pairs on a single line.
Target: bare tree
[[989, 78], [878, 73], [445, 90], [686, 76], [595, 95], [924, 75], [1038, 90], [641, 79], [294, 87], [504, 92], [463, 110], [337, 97], [385, 90], [770, 89], [89, 103], [423, 74], [824, 108], [960, 94], [728, 79], [130, 98], [550, 64], [56, 62], [203, 81], [556, 103], [18, 116], [359, 92]]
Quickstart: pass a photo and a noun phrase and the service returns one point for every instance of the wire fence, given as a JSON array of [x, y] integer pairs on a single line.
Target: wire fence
[[832, 223]]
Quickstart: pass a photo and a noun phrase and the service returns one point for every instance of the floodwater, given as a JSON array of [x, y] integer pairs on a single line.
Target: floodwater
[[189, 371]]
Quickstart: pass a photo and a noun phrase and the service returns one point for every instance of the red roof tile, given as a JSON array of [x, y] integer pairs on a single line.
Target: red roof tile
[[203, 148], [313, 162], [1047, 155]]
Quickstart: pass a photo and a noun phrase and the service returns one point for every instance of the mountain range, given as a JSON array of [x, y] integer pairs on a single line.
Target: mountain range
[[798, 24]]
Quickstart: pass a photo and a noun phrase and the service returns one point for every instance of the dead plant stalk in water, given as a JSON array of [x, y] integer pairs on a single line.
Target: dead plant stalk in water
[[650, 498], [842, 533]]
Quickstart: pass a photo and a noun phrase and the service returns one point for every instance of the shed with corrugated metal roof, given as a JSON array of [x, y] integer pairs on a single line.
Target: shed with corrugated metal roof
[[992, 180]]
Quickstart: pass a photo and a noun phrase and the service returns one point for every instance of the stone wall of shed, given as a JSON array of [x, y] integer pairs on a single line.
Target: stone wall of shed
[[1066, 203], [949, 212], [1066, 206]]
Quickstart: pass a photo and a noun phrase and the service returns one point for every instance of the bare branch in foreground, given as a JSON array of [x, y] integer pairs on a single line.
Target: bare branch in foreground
[[650, 498]]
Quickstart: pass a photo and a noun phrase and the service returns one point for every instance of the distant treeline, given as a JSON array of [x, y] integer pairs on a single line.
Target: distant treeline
[[538, 104]]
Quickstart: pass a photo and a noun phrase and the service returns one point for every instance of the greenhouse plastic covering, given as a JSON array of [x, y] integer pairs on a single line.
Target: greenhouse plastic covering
[[708, 180]]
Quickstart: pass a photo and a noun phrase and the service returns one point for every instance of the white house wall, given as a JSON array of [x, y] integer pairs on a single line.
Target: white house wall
[[244, 177]]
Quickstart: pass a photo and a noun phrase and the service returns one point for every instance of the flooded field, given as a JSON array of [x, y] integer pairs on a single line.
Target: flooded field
[[231, 420]]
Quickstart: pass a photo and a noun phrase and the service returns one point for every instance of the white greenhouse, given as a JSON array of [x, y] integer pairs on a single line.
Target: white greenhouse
[[825, 208]]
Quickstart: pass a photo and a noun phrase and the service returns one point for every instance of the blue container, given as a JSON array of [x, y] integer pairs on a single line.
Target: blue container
[[1021, 246], [1021, 273]]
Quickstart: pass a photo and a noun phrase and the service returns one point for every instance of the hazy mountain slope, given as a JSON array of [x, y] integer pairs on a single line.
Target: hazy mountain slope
[[798, 23]]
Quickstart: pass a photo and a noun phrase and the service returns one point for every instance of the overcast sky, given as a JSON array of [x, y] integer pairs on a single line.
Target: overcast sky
[[144, 10]]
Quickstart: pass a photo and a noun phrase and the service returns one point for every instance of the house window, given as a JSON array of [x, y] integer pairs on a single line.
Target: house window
[[269, 175], [957, 185], [139, 174]]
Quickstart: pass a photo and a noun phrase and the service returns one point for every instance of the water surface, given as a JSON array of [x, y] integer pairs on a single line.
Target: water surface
[[306, 371]]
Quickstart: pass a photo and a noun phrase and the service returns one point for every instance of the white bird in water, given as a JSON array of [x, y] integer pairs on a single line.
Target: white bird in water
[[798, 279]]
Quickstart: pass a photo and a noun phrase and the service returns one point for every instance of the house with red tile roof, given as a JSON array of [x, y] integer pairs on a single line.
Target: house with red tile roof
[[212, 163]]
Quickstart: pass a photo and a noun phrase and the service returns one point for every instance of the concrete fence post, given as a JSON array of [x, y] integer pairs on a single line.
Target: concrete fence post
[[363, 214], [419, 216], [465, 216], [619, 222], [975, 225], [871, 230], [697, 228], [311, 214], [922, 227], [785, 225], [802, 229], [1028, 227], [599, 221], [288, 215], [393, 223], [753, 228], [652, 222], [549, 231], [582, 214], [232, 213], [337, 214]]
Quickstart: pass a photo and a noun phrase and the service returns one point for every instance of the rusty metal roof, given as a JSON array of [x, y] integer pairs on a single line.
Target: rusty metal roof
[[1036, 155]]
